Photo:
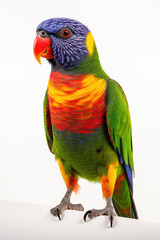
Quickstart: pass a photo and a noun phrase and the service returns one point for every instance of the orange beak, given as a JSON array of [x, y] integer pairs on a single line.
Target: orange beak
[[42, 48]]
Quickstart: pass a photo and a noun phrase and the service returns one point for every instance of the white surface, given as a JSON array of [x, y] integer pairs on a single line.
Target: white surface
[[25, 221], [127, 35]]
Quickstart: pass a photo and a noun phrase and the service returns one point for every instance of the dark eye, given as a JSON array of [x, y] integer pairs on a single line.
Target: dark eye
[[64, 33]]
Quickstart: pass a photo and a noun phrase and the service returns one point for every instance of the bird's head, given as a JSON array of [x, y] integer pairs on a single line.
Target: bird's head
[[64, 42]]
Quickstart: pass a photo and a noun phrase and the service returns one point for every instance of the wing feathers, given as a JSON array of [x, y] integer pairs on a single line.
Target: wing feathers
[[119, 122], [47, 123]]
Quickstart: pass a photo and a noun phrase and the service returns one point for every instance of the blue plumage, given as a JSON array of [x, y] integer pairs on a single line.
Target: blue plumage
[[68, 52], [128, 171]]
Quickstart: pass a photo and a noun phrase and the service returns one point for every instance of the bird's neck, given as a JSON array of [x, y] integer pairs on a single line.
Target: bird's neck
[[86, 79], [89, 65]]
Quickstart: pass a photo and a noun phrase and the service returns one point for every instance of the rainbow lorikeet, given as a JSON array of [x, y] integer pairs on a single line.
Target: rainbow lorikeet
[[86, 118]]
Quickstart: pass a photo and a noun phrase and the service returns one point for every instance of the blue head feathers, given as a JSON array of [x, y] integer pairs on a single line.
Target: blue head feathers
[[68, 40]]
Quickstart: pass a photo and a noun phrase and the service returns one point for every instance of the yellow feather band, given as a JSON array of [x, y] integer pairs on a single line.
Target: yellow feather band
[[91, 89], [90, 43]]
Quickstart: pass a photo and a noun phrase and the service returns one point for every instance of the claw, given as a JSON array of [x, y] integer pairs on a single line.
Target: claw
[[86, 214], [111, 220], [57, 211]]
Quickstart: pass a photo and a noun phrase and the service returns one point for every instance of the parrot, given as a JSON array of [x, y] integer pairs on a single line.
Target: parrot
[[86, 119]]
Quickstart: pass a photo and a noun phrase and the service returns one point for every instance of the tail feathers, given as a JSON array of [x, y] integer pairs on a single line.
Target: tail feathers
[[123, 200]]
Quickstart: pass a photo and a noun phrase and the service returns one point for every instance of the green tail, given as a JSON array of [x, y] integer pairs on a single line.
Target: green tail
[[123, 200]]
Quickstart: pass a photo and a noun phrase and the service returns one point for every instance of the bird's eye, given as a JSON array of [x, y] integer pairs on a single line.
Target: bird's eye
[[64, 33]]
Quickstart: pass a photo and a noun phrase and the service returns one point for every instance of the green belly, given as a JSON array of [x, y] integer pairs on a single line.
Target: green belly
[[84, 154]]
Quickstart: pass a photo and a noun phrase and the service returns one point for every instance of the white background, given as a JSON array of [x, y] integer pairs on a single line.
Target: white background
[[32, 221], [127, 35]]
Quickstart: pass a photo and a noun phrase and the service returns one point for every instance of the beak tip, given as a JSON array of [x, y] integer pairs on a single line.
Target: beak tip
[[38, 58], [39, 61]]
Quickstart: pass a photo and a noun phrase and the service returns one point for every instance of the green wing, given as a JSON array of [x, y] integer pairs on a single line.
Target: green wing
[[120, 132], [119, 122], [47, 123]]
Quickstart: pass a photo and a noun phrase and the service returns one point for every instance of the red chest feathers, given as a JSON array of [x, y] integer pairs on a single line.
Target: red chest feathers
[[77, 104]]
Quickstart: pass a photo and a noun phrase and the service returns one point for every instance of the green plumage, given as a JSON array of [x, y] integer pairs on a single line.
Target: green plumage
[[119, 122]]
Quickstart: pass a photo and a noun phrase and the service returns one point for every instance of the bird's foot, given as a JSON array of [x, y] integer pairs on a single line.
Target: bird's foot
[[64, 205], [108, 210]]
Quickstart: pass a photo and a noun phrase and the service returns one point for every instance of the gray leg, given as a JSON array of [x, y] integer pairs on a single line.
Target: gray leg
[[65, 204], [108, 210]]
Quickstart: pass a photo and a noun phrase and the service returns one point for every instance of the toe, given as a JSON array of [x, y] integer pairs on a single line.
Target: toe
[[96, 212], [78, 207], [54, 211], [92, 213], [57, 211]]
